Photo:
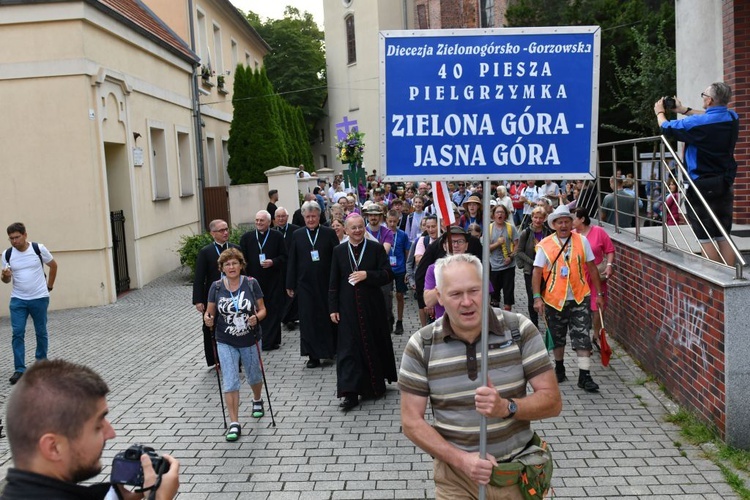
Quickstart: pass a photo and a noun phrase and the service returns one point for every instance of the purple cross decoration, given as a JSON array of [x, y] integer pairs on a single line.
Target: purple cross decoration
[[346, 126]]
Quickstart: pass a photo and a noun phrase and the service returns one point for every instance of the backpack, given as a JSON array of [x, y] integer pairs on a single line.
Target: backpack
[[38, 253]]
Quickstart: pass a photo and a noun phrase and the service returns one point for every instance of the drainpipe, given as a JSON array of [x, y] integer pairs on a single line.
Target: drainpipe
[[404, 12], [197, 124]]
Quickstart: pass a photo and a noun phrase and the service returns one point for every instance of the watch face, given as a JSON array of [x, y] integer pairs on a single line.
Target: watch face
[[512, 407]]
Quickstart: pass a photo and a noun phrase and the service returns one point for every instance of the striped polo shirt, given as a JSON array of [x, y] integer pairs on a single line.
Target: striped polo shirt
[[455, 373]]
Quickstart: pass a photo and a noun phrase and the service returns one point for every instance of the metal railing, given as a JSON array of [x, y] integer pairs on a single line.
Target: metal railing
[[655, 155]]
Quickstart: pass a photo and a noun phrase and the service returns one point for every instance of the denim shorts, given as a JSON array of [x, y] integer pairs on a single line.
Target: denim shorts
[[229, 358]]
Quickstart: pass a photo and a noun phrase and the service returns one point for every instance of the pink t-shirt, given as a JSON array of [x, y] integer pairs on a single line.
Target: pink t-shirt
[[601, 245]]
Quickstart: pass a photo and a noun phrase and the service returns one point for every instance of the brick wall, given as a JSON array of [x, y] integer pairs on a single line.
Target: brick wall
[[736, 31], [673, 323]]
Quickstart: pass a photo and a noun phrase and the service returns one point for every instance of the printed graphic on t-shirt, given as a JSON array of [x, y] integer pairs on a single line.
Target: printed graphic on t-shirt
[[237, 323]]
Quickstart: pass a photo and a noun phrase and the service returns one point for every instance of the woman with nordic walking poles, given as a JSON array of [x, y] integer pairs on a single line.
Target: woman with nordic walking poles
[[238, 300]]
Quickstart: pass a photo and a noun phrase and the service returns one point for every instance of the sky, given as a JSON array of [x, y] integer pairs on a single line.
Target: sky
[[274, 9]]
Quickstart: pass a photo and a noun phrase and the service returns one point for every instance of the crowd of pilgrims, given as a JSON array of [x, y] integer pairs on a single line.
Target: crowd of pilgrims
[[337, 266]]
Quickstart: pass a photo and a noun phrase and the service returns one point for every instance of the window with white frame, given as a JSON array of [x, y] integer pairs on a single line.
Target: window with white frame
[[159, 163], [212, 170], [235, 55], [218, 59], [185, 163], [202, 41], [225, 160]]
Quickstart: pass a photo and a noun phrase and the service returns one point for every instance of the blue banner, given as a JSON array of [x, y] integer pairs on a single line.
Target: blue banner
[[511, 103]]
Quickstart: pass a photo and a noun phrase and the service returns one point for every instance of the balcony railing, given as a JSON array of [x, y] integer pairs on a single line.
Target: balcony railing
[[655, 166]]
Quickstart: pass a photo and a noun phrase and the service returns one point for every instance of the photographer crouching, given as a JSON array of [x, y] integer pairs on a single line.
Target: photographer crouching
[[710, 137], [57, 427]]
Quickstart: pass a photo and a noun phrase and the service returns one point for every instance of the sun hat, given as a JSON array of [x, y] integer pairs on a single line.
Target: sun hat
[[561, 211]]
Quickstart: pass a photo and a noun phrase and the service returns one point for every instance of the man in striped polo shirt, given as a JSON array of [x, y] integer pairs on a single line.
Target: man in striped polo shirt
[[449, 376]]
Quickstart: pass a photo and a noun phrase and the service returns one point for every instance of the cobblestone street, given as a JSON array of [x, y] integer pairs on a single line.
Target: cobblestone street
[[148, 347]]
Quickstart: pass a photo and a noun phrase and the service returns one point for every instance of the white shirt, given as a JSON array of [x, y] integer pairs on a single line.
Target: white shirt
[[29, 282]]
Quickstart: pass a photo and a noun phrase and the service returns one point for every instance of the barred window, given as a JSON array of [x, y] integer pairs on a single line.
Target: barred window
[[488, 13], [351, 44]]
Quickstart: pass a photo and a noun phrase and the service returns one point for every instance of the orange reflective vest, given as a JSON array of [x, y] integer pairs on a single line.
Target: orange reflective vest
[[555, 290]]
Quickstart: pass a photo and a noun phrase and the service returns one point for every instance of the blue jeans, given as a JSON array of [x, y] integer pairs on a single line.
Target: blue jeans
[[19, 312]]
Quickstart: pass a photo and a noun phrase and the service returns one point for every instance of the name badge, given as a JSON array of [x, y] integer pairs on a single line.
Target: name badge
[[262, 257], [393, 261], [352, 282], [564, 271], [314, 255], [239, 323]]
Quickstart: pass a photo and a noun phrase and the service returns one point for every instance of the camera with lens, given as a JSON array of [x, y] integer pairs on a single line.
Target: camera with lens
[[669, 103], [126, 466]]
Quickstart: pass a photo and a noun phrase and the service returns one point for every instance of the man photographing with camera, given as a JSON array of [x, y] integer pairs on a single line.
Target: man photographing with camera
[[57, 427], [710, 137]]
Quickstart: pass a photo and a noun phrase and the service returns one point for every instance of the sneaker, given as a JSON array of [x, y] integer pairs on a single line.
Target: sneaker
[[586, 383], [15, 377], [258, 409], [399, 328], [560, 372]]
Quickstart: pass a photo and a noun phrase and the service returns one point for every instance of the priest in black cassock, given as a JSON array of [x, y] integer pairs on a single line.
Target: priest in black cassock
[[281, 223], [307, 275], [364, 355], [265, 255], [206, 272]]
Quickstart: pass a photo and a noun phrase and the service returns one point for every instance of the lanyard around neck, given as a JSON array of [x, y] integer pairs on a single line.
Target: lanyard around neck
[[257, 237], [313, 241], [361, 254]]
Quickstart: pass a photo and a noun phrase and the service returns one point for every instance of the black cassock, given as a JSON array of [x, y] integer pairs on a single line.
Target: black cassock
[[309, 280], [270, 279], [290, 308], [365, 351]]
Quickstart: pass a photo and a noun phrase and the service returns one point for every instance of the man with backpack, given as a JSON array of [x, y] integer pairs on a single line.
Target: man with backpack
[[440, 363], [23, 263]]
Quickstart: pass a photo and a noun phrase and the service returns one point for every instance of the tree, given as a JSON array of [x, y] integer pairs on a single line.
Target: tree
[[616, 18], [296, 63], [641, 83], [256, 140]]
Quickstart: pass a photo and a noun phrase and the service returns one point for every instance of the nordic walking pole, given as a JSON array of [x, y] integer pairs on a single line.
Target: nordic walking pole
[[218, 376], [265, 384]]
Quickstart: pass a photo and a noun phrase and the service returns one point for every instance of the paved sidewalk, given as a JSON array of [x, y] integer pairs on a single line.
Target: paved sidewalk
[[148, 347]]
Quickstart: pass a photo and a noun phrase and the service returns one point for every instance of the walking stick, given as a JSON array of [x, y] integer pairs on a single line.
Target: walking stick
[[265, 384], [218, 376]]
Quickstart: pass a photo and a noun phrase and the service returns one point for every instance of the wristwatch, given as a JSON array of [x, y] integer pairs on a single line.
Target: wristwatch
[[512, 409]]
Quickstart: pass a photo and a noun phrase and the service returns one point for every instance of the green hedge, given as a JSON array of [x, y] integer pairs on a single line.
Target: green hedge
[[191, 245]]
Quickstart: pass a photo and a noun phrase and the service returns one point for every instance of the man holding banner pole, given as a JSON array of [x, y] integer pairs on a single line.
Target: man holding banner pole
[[440, 362]]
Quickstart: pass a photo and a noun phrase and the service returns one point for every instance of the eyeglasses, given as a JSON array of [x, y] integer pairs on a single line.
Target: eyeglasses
[[458, 243], [703, 94], [222, 230]]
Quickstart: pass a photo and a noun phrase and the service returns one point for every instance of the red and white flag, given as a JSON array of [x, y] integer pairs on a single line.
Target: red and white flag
[[442, 200]]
